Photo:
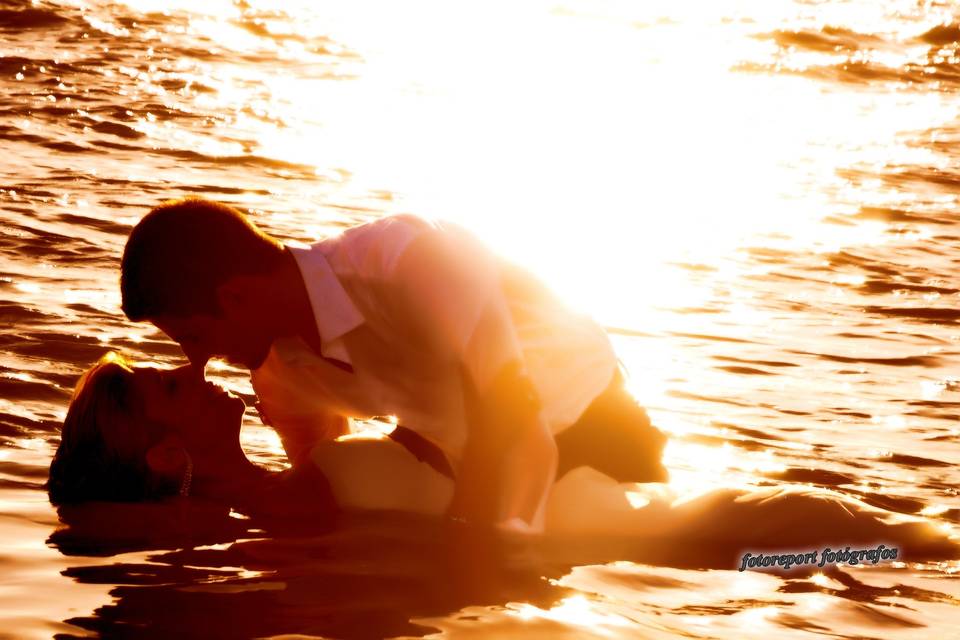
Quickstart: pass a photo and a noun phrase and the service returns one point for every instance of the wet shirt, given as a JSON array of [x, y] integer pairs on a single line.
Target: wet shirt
[[409, 311]]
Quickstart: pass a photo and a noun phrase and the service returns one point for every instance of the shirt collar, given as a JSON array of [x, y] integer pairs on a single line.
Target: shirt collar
[[333, 310]]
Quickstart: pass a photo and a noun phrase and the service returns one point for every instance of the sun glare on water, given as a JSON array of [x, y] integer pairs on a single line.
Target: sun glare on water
[[595, 142], [611, 147]]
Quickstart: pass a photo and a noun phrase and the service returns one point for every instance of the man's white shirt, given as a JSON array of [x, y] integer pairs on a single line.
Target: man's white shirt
[[414, 306]]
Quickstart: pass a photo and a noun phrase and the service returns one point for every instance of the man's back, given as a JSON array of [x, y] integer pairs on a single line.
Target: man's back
[[409, 332]]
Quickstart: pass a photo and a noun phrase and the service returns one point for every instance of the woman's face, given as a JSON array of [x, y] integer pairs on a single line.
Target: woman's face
[[202, 414]]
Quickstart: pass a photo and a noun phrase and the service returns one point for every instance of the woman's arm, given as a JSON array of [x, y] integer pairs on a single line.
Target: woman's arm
[[301, 492]]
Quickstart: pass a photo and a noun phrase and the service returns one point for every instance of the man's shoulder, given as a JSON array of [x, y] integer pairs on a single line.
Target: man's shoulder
[[375, 247], [397, 224]]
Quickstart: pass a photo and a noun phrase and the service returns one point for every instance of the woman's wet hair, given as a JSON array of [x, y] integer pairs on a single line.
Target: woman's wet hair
[[104, 441], [180, 253]]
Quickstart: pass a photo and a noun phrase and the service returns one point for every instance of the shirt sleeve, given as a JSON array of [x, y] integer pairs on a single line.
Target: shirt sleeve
[[298, 416], [448, 293]]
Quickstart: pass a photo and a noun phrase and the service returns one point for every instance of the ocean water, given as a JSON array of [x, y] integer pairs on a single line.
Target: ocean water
[[758, 199]]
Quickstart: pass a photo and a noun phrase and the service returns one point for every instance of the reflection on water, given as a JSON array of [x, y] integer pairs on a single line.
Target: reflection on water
[[364, 579], [383, 576], [757, 198]]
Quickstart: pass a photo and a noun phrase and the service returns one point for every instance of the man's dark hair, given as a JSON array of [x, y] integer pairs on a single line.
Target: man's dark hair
[[183, 250]]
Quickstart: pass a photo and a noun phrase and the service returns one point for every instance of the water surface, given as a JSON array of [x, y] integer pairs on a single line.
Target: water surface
[[757, 198]]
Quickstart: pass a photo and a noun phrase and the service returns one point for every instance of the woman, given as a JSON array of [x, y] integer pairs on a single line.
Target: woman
[[142, 433], [137, 433]]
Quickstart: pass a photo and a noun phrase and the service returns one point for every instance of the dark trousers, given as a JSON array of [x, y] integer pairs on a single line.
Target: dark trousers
[[613, 435]]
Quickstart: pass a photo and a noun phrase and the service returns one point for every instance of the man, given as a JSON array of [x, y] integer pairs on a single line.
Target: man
[[489, 376]]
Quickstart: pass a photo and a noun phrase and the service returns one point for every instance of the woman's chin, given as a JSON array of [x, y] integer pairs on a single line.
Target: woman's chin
[[236, 404], [229, 413]]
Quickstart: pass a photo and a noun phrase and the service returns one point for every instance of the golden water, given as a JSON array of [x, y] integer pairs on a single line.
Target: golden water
[[757, 198]]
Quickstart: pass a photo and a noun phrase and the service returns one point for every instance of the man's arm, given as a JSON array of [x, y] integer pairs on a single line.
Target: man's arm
[[510, 457], [447, 289], [299, 432]]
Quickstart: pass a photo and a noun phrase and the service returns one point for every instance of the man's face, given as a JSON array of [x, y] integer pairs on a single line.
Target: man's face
[[206, 336]]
